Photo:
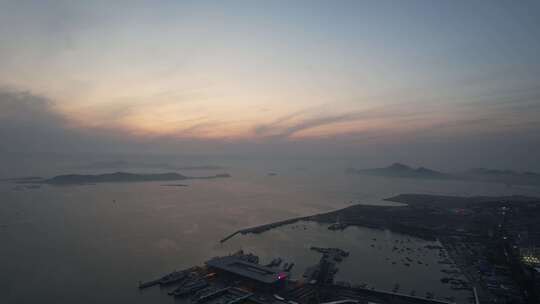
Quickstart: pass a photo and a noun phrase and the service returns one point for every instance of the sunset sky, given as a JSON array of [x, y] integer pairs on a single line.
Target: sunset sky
[[343, 77]]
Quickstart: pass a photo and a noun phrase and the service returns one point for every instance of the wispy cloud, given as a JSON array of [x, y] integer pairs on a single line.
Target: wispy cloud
[[289, 125], [264, 129], [200, 128]]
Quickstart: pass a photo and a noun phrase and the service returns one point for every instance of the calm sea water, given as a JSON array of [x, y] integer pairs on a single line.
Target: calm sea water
[[93, 244]]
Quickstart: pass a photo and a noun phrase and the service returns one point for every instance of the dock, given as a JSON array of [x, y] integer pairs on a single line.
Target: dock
[[237, 277]]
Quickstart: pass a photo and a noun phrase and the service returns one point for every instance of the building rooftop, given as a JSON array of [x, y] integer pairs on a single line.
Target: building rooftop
[[236, 265]]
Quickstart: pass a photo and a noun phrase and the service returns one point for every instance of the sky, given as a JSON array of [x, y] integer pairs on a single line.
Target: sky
[[441, 83]]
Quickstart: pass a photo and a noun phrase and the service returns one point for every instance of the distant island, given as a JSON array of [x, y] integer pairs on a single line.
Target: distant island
[[71, 179], [399, 170]]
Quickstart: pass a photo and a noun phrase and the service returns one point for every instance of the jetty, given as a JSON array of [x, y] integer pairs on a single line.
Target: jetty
[[263, 228]]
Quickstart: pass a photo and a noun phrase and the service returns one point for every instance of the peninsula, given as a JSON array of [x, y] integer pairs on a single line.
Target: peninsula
[[483, 235]]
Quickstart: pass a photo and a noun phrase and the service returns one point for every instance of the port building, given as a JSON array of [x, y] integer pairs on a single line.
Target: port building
[[237, 266]]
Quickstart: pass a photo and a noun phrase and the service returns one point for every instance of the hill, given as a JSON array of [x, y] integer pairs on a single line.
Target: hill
[[121, 177], [402, 171]]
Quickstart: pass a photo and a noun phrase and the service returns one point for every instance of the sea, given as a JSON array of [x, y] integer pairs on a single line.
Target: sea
[[95, 243]]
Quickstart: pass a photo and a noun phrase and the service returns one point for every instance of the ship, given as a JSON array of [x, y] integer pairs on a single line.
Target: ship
[[170, 278], [189, 288]]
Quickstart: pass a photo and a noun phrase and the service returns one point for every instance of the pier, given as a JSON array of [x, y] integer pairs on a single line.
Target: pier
[[263, 228]]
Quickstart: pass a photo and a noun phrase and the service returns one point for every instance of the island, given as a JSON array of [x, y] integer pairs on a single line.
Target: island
[[71, 179], [399, 170]]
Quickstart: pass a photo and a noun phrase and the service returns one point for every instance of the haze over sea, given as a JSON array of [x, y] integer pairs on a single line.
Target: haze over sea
[[93, 243]]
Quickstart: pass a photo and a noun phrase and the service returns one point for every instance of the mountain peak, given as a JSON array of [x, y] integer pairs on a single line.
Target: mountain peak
[[399, 166]]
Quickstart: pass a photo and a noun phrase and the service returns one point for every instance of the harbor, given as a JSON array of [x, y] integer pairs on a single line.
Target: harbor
[[378, 259], [240, 278]]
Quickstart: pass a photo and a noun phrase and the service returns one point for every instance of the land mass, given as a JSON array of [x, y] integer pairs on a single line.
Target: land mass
[[401, 170], [508, 177], [422, 215], [487, 237], [122, 177]]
